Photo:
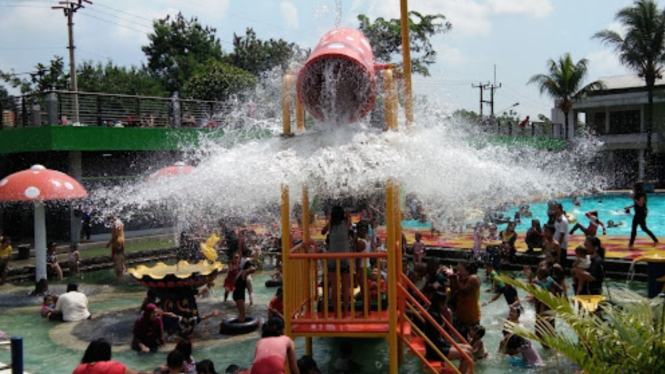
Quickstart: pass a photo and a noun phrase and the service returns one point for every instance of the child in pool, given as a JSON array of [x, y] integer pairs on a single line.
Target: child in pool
[[477, 346], [74, 259], [49, 305], [345, 364], [231, 275], [206, 291], [276, 306], [515, 344], [582, 263]]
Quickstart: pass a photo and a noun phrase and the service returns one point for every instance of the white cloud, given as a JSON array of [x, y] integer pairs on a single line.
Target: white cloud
[[604, 63], [450, 55], [529, 8], [289, 14]]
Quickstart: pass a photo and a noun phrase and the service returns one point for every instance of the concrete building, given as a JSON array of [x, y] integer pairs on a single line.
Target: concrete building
[[618, 115]]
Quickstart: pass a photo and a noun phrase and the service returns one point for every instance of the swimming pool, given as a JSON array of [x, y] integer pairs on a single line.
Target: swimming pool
[[43, 354], [609, 207]]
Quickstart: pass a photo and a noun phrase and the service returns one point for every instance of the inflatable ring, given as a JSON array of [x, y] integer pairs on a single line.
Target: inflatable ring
[[232, 327], [571, 218], [208, 252], [273, 283]]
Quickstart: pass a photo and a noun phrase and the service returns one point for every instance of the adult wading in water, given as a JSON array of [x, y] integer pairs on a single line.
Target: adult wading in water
[[640, 217]]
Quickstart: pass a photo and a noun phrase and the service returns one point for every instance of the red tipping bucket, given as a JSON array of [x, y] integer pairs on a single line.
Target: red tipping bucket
[[337, 82]]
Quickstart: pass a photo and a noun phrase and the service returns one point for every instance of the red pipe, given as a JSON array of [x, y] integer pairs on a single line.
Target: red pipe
[[336, 84]]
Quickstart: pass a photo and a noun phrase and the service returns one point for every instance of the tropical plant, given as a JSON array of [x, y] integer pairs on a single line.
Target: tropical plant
[[625, 337], [44, 78], [111, 78], [642, 48], [385, 36], [564, 83]]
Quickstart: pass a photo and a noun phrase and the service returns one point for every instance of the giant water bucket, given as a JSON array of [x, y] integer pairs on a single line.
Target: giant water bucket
[[336, 84]]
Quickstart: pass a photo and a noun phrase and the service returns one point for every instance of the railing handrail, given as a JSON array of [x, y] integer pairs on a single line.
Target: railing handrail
[[415, 289], [337, 255], [438, 327], [105, 94]]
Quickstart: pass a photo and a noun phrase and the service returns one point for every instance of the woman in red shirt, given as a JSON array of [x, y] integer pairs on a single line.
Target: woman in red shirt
[[97, 360]]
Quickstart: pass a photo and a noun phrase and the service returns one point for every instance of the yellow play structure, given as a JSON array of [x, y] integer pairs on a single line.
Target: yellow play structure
[[310, 310]]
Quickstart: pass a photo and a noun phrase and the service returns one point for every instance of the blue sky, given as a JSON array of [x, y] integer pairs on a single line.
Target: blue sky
[[518, 36]]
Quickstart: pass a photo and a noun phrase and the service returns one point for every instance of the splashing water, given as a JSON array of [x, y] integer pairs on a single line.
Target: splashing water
[[452, 170], [338, 13]]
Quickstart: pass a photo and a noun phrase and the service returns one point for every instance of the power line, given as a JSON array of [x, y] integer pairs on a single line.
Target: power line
[[122, 11], [123, 19], [115, 23]]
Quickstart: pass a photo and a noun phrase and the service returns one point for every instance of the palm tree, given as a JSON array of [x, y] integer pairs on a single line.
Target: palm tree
[[642, 48], [564, 83], [627, 337]]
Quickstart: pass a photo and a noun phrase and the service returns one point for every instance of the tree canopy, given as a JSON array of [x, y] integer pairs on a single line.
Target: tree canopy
[[217, 81], [44, 78], [96, 77], [565, 82], [385, 36], [257, 56], [177, 47]]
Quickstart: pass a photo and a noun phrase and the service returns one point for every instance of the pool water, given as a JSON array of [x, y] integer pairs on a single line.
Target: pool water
[[609, 207], [42, 355]]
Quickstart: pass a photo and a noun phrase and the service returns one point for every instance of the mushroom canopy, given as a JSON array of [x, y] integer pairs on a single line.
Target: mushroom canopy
[[40, 184]]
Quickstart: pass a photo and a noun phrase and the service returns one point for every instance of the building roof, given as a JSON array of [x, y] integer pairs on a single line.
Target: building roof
[[630, 81]]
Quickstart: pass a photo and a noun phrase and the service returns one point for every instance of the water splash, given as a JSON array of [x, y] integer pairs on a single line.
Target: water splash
[[453, 170]]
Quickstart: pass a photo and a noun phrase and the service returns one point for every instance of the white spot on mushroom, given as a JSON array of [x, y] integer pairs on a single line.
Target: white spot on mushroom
[[32, 192], [366, 43], [336, 46], [35, 172], [350, 38], [3, 182], [69, 186], [56, 183]]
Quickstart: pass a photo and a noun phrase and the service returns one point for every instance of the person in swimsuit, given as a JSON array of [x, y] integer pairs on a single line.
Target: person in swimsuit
[[550, 245], [52, 259], [641, 212], [231, 275], [240, 288], [117, 244], [594, 222], [274, 350], [465, 285], [338, 225]]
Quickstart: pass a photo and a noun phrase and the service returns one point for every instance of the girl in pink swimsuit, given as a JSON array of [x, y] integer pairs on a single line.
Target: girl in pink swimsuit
[[274, 350]]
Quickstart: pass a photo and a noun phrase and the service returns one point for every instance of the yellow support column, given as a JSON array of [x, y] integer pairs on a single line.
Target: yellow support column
[[406, 61], [391, 100], [286, 105], [300, 115], [287, 284], [401, 303], [392, 278], [305, 239]]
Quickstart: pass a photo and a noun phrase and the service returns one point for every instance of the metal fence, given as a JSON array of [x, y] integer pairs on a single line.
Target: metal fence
[[100, 109], [532, 129]]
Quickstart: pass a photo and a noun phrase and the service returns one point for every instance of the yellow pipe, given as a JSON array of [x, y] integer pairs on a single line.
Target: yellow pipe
[[287, 285], [300, 116], [391, 108], [406, 57], [398, 264], [305, 239], [392, 278], [286, 104], [434, 347]]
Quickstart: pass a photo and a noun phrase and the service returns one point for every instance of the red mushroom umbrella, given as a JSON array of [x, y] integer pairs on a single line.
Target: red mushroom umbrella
[[39, 184], [179, 168]]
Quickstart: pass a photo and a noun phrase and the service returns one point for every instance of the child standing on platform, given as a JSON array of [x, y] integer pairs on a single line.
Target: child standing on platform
[[418, 249]]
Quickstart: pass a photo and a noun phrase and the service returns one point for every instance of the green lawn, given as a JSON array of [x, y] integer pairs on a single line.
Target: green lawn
[[131, 247]]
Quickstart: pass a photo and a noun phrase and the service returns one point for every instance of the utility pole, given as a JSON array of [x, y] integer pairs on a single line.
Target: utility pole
[[70, 7], [481, 87]]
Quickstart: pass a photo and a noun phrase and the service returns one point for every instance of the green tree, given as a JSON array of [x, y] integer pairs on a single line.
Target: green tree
[[385, 36], [110, 78], [178, 47], [642, 48], [628, 337], [44, 78], [4, 94], [257, 56], [564, 83], [467, 116], [217, 81]]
